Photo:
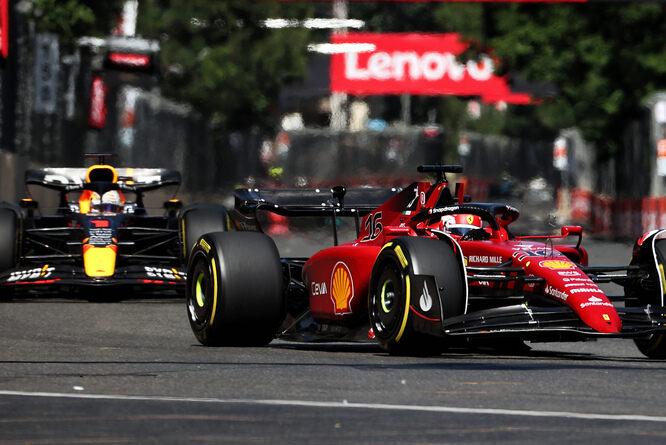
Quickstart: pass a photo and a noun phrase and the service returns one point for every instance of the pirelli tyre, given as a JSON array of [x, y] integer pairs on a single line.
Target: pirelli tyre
[[9, 235], [397, 282], [653, 346], [650, 253], [234, 289], [199, 219]]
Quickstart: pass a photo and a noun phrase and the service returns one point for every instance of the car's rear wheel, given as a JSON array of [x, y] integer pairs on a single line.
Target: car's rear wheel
[[393, 291], [200, 219], [9, 236], [234, 289]]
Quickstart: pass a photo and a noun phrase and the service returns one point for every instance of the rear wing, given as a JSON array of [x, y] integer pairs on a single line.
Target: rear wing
[[334, 202], [66, 179]]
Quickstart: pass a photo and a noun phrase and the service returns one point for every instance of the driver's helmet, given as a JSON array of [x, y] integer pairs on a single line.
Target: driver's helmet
[[461, 224], [95, 203], [111, 202]]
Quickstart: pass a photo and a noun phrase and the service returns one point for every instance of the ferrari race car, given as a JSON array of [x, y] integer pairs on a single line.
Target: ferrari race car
[[429, 269], [100, 238]]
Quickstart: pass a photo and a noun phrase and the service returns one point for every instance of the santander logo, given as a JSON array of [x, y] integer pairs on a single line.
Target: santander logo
[[429, 66]]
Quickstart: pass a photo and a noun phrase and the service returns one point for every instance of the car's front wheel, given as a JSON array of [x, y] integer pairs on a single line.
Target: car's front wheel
[[395, 295], [652, 346], [234, 289]]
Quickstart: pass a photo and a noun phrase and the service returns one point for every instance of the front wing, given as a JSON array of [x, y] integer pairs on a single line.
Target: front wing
[[54, 277], [550, 323]]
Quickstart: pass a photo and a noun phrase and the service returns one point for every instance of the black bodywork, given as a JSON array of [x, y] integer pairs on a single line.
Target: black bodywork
[[49, 247]]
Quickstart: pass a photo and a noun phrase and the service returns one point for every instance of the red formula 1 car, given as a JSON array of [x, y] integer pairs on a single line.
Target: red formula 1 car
[[428, 270]]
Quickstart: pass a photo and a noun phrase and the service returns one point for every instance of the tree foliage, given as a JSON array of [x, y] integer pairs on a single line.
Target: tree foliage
[[218, 57], [604, 59], [71, 19]]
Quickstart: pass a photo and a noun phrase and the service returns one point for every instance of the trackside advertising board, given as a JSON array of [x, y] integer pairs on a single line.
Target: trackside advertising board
[[4, 28], [418, 64]]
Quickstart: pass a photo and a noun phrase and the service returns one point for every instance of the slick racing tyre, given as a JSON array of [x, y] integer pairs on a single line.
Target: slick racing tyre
[[8, 246], [653, 346], [8, 239], [200, 219], [393, 289], [234, 289], [643, 292]]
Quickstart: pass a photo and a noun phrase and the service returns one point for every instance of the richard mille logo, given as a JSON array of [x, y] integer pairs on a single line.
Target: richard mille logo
[[426, 300]]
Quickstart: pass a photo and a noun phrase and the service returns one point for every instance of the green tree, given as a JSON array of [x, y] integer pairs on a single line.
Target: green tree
[[604, 59], [71, 19], [218, 56]]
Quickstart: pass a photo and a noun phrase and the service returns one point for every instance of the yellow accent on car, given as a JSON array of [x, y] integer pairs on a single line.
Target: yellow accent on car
[[204, 245], [214, 274], [182, 231], [198, 290], [401, 256], [97, 169], [406, 314], [99, 261], [557, 264], [389, 244], [383, 297], [662, 276]]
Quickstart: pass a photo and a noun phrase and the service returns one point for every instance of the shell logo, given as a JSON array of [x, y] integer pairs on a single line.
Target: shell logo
[[556, 264], [342, 288]]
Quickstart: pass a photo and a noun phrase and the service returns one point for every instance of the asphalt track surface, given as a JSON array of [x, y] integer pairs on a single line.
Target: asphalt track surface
[[74, 372]]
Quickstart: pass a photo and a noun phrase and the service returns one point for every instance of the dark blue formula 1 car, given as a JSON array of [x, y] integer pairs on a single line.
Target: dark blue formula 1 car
[[100, 234]]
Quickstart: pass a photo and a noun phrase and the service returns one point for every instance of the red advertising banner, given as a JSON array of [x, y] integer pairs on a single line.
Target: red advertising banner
[[97, 114], [467, 1], [418, 64], [4, 28]]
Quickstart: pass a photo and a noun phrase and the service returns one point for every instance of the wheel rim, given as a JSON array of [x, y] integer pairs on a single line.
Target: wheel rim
[[199, 293], [387, 296], [388, 302], [199, 290]]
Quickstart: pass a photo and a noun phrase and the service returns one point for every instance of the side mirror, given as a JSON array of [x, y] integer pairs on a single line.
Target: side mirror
[[572, 230]]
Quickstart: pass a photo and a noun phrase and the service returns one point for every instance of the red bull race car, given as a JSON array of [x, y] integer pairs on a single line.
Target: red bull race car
[[100, 237], [429, 269]]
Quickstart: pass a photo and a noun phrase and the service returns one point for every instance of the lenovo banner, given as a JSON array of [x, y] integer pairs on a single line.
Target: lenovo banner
[[418, 64]]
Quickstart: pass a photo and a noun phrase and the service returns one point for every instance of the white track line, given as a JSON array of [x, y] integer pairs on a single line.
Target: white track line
[[345, 404]]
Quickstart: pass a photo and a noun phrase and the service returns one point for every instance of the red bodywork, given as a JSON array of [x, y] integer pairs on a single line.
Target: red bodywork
[[337, 279]]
